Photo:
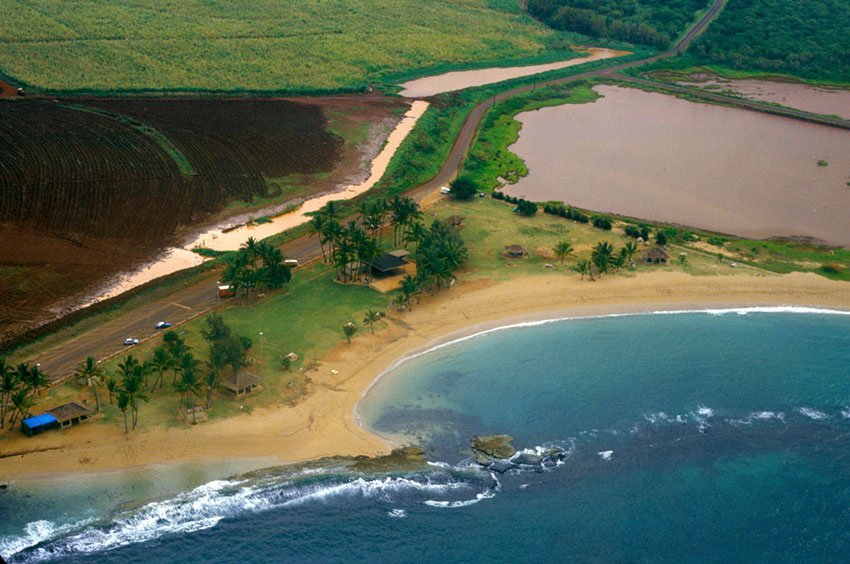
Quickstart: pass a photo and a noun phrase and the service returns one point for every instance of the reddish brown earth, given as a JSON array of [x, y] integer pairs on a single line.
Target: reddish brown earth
[[87, 195], [7, 90]]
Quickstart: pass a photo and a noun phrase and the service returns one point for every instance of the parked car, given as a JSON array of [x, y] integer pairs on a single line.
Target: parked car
[[162, 325], [291, 263], [130, 341], [445, 190]]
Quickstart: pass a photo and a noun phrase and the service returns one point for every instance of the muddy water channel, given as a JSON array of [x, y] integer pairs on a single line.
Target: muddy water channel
[[657, 157], [815, 99]]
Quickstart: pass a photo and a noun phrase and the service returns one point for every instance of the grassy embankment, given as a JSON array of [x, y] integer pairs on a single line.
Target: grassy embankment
[[242, 46]]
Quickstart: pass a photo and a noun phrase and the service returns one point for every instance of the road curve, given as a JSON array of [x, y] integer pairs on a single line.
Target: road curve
[[104, 341]]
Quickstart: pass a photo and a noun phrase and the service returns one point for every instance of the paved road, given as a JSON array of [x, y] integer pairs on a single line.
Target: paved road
[[194, 300]]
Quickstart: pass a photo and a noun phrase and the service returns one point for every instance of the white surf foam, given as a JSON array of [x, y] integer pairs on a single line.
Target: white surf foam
[[489, 494], [397, 513], [845, 413], [812, 413], [606, 454]]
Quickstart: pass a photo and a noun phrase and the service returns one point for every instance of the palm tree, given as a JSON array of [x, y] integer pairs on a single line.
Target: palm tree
[[408, 288], [188, 385], [22, 402], [159, 363], [631, 248], [601, 255], [318, 226], [562, 249], [212, 381], [371, 317], [349, 329], [112, 388], [123, 405], [583, 267], [9, 383], [91, 374]]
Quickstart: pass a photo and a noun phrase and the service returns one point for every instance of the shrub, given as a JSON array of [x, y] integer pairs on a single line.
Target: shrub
[[661, 238], [716, 241], [463, 188], [526, 208], [602, 222], [831, 268]]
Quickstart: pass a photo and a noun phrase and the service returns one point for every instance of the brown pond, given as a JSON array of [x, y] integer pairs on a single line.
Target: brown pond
[[815, 99], [658, 157]]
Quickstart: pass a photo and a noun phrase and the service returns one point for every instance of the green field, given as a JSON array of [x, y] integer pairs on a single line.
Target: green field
[[261, 45]]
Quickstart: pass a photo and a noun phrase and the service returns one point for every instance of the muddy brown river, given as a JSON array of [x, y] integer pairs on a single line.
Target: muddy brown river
[[657, 157]]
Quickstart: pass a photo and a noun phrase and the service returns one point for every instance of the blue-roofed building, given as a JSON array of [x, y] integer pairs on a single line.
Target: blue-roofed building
[[39, 423]]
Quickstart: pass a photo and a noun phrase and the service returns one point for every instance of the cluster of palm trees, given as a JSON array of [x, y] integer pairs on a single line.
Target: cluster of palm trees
[[135, 380], [439, 253], [256, 266], [605, 257], [18, 387], [350, 248]]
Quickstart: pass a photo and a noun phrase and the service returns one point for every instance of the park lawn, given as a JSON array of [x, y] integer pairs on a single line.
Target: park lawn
[[489, 225], [265, 45]]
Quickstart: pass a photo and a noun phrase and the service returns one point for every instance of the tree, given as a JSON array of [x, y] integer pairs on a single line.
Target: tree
[[371, 317], [630, 248], [225, 347], [111, 388], [9, 384], [123, 405], [408, 288], [526, 208], [212, 381], [601, 255], [463, 188], [91, 374], [349, 329], [188, 385], [159, 363], [317, 223], [562, 249], [661, 237], [22, 401], [583, 266]]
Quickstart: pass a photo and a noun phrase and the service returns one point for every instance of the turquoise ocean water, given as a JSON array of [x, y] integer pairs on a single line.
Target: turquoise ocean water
[[689, 437]]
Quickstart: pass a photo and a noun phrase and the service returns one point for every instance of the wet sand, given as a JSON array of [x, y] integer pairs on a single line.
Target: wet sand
[[325, 422], [657, 157], [451, 81], [815, 99], [218, 240]]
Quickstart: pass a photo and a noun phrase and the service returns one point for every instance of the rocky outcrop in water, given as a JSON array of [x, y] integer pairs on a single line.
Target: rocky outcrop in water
[[497, 453]]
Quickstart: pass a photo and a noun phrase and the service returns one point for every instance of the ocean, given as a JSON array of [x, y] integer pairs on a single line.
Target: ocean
[[688, 436]]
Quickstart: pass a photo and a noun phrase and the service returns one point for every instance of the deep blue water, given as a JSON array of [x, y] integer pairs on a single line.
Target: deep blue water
[[683, 436]]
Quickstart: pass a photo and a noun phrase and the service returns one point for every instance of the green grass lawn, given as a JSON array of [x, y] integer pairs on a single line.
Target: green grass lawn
[[258, 45]]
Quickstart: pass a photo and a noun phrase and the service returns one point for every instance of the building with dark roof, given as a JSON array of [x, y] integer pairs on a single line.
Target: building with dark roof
[[655, 256], [241, 383]]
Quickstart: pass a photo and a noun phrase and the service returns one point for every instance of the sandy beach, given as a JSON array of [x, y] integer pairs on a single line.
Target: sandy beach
[[325, 423]]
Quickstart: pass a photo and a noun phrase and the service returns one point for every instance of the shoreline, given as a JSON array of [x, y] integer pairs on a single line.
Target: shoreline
[[327, 423]]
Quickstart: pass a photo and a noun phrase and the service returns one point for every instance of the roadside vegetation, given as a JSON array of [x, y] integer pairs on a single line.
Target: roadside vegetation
[[288, 46], [649, 22]]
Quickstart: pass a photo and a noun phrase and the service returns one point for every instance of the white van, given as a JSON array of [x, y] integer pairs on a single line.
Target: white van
[[445, 190], [291, 263]]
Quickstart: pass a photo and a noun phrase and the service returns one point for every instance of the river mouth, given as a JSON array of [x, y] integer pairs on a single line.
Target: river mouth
[[657, 157]]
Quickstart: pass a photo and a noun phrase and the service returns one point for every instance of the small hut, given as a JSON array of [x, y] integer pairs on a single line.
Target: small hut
[[655, 256], [516, 251], [400, 253], [70, 414], [242, 383]]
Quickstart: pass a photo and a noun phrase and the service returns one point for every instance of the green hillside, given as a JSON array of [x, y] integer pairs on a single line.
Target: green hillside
[[272, 45], [807, 38]]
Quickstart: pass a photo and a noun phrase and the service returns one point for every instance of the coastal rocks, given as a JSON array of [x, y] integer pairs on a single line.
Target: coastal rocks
[[497, 453], [488, 448], [407, 458]]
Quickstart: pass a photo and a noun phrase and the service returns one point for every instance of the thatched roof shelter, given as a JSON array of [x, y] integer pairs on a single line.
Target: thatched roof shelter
[[516, 251], [399, 253], [241, 383], [70, 413], [655, 256]]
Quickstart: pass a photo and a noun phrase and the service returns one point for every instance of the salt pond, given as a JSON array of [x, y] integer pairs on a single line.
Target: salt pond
[[657, 157]]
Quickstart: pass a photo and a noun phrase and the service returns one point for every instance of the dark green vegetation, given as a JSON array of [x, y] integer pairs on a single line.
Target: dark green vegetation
[[649, 22], [256, 45], [806, 38], [256, 266]]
